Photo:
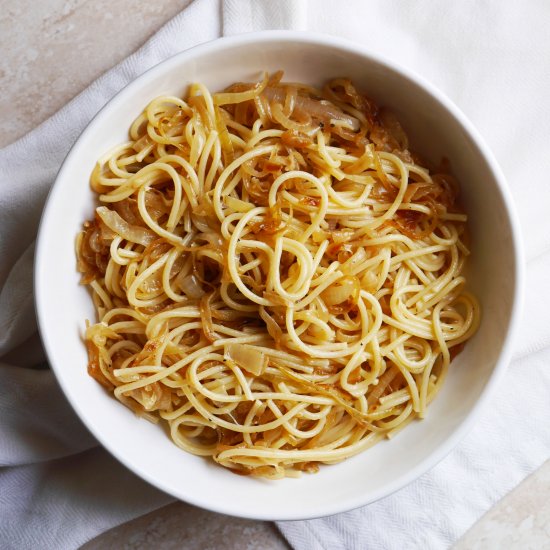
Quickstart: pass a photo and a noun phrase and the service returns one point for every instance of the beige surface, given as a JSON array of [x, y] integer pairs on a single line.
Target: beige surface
[[50, 51], [180, 525], [520, 521]]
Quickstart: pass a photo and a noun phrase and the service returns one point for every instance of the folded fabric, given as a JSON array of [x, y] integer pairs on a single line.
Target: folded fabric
[[57, 489]]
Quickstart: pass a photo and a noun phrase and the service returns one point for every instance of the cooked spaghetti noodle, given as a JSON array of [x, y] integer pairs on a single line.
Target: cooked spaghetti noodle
[[276, 276]]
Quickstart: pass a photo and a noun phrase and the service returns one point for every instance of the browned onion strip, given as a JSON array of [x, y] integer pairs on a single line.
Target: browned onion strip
[[120, 226], [320, 109]]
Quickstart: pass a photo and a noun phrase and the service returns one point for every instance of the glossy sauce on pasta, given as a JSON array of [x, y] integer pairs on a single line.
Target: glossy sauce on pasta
[[275, 274]]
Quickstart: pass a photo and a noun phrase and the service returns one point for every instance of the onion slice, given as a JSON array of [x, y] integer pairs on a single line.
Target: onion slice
[[344, 289], [320, 109], [247, 357], [120, 226], [191, 287]]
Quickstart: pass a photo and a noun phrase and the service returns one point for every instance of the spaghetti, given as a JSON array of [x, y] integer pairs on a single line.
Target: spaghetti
[[276, 276]]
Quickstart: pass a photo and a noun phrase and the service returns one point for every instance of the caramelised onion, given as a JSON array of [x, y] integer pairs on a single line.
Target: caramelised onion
[[152, 284], [119, 225], [383, 382], [128, 210], [223, 133], [320, 109], [344, 289], [191, 286], [214, 239], [394, 128], [247, 357], [342, 235], [155, 204], [272, 327], [356, 260], [206, 318], [295, 139], [223, 98], [142, 143], [285, 121], [152, 397], [95, 242], [237, 205]]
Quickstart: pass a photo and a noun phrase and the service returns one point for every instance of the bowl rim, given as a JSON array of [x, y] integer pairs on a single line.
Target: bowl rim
[[345, 45]]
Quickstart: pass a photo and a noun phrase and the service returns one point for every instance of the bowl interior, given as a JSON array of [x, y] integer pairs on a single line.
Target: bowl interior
[[435, 128]]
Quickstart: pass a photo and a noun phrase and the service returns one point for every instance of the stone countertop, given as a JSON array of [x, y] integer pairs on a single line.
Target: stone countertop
[[43, 45]]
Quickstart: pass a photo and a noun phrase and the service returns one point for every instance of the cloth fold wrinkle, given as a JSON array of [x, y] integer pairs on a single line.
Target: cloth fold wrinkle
[[240, 16], [17, 321], [44, 483], [33, 410]]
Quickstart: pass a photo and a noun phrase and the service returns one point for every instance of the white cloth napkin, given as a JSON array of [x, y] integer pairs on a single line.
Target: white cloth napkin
[[58, 489]]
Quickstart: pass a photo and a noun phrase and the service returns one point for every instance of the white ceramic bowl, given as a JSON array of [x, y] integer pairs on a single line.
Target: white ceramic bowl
[[436, 127]]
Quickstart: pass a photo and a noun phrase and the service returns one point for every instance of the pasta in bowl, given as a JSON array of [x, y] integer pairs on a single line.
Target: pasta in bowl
[[276, 276], [306, 395]]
